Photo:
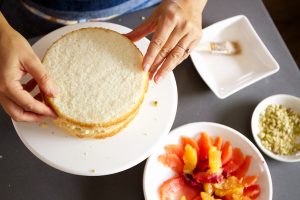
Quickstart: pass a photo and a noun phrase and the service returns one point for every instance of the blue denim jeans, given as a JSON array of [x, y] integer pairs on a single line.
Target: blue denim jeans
[[84, 10]]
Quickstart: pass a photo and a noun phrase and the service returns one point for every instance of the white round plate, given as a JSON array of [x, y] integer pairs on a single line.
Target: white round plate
[[94, 157], [156, 173], [282, 99]]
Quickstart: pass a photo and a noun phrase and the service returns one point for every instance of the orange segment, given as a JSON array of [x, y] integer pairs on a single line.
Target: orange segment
[[235, 162], [197, 198], [172, 161], [218, 142], [226, 153], [174, 149], [249, 180], [204, 144], [229, 187], [252, 191], [208, 188], [190, 141], [206, 196], [175, 188], [182, 198], [214, 160], [189, 159], [242, 170]]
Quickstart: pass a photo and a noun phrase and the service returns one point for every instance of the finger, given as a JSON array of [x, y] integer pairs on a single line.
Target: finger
[[174, 38], [30, 85], [163, 31], [22, 98], [141, 31], [17, 113], [173, 59], [34, 67], [191, 47]]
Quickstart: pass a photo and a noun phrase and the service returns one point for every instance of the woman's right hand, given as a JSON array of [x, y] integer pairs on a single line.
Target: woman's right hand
[[17, 59]]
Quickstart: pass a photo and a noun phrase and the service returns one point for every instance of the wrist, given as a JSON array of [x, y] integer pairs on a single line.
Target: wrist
[[194, 6], [5, 28]]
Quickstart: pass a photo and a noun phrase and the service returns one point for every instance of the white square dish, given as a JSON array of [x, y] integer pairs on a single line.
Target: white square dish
[[225, 74]]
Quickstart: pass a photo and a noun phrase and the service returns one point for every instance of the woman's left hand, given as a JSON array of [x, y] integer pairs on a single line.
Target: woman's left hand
[[177, 27]]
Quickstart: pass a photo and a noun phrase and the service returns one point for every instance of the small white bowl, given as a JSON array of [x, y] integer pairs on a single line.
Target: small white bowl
[[282, 99], [155, 173], [226, 75]]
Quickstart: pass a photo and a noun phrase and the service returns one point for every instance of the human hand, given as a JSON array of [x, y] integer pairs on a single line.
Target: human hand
[[17, 58], [177, 27]]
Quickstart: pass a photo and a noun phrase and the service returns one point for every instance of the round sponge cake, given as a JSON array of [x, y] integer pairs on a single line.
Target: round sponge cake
[[99, 76]]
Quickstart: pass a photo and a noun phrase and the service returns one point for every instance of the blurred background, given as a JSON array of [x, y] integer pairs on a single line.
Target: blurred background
[[285, 15]]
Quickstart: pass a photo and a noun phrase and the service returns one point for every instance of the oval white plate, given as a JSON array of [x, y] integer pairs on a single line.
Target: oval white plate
[[156, 173], [94, 157], [285, 100]]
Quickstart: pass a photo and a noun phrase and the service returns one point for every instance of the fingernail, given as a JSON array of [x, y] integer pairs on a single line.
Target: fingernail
[[39, 119], [53, 91], [52, 114], [146, 67]]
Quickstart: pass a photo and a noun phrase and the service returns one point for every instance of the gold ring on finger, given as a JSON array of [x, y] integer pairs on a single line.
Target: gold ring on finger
[[187, 51]]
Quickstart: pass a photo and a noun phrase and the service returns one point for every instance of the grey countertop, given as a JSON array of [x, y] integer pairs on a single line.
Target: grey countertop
[[23, 176]]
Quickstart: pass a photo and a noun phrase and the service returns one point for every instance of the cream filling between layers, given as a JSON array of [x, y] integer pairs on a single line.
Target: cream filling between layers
[[63, 123]]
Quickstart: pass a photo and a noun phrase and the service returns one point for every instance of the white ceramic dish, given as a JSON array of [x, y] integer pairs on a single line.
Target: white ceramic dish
[[94, 157], [156, 173], [285, 100], [226, 75]]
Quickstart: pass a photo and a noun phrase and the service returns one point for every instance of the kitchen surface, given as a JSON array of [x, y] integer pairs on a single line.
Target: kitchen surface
[[24, 176]]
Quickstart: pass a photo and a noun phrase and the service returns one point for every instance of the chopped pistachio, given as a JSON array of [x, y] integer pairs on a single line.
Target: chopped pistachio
[[155, 103], [280, 130]]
